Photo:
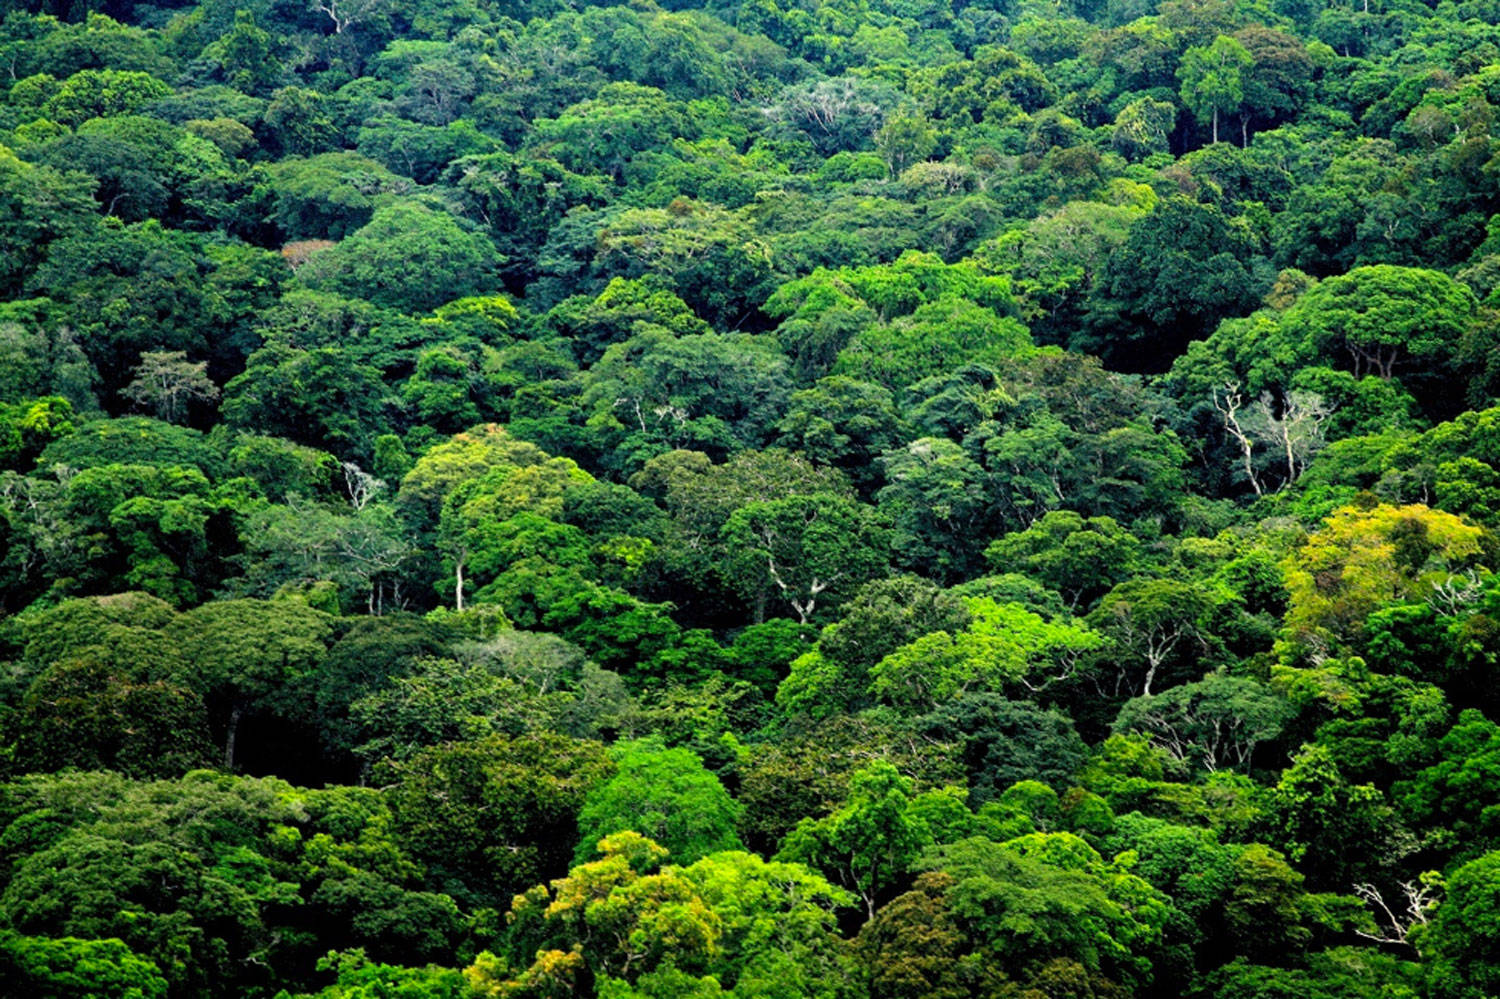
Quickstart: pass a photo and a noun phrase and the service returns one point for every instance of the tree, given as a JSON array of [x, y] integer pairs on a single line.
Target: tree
[[806, 550], [1004, 645], [1292, 434], [1056, 262], [624, 308], [163, 529], [154, 867], [100, 93], [41, 204], [1153, 626], [843, 422], [1045, 897], [166, 380], [364, 659], [935, 499], [327, 196], [729, 919], [242, 656], [493, 816], [131, 289], [905, 139], [1003, 741], [1214, 723], [26, 428], [883, 616], [664, 794], [1194, 869], [1181, 269], [709, 392], [807, 773], [603, 135], [1212, 78], [915, 948], [938, 336], [408, 257], [1080, 558], [103, 707], [304, 544], [71, 968], [1267, 908], [1278, 81], [1363, 558], [870, 843], [500, 517], [1143, 126], [145, 167], [300, 120], [836, 114], [521, 199], [361, 978], [1340, 833], [1386, 319], [711, 257], [1465, 935], [322, 397], [1446, 797]]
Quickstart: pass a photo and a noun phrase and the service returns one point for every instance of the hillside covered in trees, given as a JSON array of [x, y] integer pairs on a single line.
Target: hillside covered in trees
[[775, 499]]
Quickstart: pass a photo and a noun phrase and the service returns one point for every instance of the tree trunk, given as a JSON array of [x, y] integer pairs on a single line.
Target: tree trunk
[[234, 725], [1216, 125]]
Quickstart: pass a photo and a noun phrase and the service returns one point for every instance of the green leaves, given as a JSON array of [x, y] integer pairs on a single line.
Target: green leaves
[[804, 551], [408, 257], [1214, 723], [729, 918], [71, 968], [1213, 78], [1385, 320], [492, 817], [1004, 646], [1050, 896], [870, 843], [667, 796]]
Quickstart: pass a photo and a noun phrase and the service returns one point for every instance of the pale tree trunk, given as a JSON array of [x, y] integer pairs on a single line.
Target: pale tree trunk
[[235, 714]]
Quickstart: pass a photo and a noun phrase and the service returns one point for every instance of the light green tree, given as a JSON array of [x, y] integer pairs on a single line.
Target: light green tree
[[665, 794], [1212, 78]]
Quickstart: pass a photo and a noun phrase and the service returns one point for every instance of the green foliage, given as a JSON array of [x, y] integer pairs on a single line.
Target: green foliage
[[1213, 723], [1079, 558], [665, 795], [1365, 557], [1008, 458], [729, 918], [805, 551], [1004, 741], [408, 257], [1212, 78], [1463, 935], [1383, 320], [1048, 897], [1336, 828], [70, 967], [361, 978], [490, 818], [870, 843], [1004, 645]]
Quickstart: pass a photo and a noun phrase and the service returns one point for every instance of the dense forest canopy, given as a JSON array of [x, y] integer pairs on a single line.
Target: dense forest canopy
[[781, 499]]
